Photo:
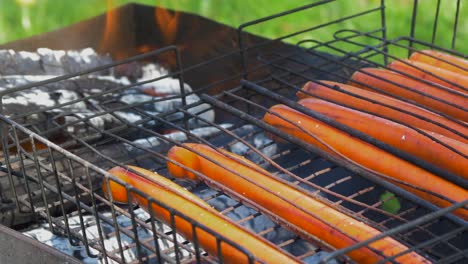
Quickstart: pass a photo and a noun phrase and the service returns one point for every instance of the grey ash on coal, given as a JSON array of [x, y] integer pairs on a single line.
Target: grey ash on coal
[[87, 104], [126, 101], [49, 62]]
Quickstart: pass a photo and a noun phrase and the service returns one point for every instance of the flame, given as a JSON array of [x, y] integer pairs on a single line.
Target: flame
[[145, 48], [110, 40], [111, 22], [115, 35], [167, 22]]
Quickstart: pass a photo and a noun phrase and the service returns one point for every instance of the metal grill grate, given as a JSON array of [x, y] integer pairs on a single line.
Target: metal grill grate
[[60, 183]]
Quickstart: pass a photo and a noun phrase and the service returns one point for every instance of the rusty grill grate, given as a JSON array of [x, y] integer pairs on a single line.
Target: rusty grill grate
[[58, 181]]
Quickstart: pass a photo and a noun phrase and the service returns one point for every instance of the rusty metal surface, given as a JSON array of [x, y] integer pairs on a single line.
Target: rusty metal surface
[[18, 248]]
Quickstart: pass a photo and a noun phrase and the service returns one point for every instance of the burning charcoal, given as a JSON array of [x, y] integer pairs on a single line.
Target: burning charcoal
[[49, 62], [138, 98], [132, 117], [77, 118], [151, 71], [61, 243], [257, 224], [259, 141], [90, 126], [239, 148], [164, 87], [168, 87], [12, 62], [56, 93], [137, 150], [76, 61], [179, 136], [317, 257], [85, 85], [242, 132], [260, 223], [302, 185], [150, 104], [277, 235], [222, 202], [132, 71], [53, 95]]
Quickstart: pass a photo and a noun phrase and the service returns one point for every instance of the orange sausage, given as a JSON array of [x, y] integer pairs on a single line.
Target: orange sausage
[[442, 60], [456, 81], [457, 109], [339, 97], [368, 156], [399, 136], [287, 202], [460, 146], [169, 193]]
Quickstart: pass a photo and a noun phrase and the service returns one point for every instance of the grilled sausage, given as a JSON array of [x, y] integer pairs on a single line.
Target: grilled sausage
[[173, 195], [306, 214], [367, 155]]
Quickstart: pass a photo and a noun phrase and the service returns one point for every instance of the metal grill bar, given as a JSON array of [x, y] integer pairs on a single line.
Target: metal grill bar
[[94, 209], [317, 68], [355, 133], [289, 173], [269, 80], [366, 47], [455, 24], [406, 63], [337, 88], [92, 70], [400, 228], [264, 126], [345, 163]]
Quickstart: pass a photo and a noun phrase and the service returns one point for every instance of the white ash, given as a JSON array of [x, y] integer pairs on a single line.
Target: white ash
[[121, 80], [267, 147], [164, 86], [178, 136], [37, 97], [135, 98], [52, 94], [152, 71], [44, 235], [131, 117], [83, 84], [10, 81], [167, 87], [12, 62], [86, 123], [203, 112], [49, 62], [220, 203], [66, 96], [148, 104], [93, 111], [260, 141]]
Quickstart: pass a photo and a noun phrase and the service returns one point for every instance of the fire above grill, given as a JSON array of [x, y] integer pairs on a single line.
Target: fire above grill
[[129, 110]]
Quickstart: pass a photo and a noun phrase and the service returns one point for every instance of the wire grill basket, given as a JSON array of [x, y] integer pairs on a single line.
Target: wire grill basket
[[59, 180]]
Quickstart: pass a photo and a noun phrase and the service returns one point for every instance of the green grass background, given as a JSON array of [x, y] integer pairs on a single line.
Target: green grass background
[[23, 18]]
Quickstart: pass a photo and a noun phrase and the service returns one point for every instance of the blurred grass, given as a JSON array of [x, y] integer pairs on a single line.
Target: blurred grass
[[23, 18]]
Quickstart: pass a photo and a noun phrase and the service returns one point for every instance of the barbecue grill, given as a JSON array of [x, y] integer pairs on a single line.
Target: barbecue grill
[[52, 175]]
